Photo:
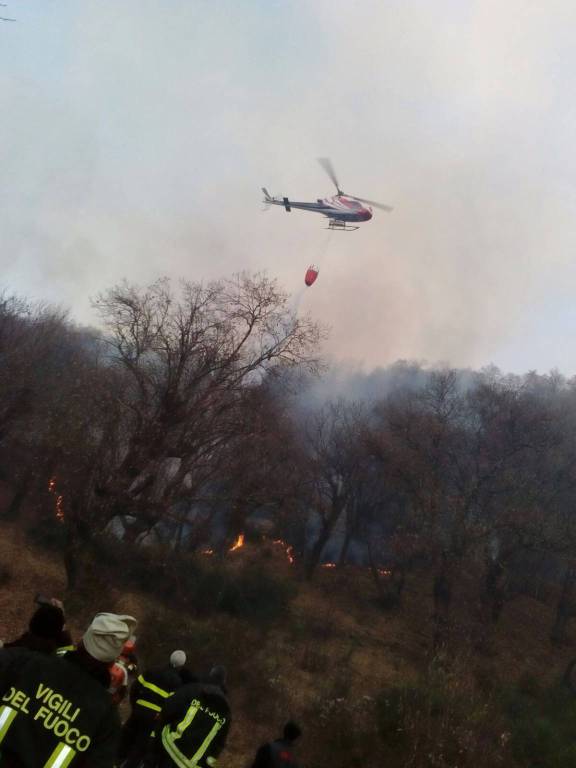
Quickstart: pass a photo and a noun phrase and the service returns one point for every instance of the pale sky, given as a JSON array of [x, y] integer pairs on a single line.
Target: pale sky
[[135, 137]]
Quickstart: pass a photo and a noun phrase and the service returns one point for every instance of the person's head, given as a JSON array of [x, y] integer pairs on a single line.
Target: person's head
[[292, 731], [218, 676], [177, 659], [106, 635], [47, 622]]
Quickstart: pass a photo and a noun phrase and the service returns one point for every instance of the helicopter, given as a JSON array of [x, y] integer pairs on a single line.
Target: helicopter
[[344, 212]]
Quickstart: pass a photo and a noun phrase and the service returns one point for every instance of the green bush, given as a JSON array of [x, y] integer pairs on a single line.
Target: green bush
[[256, 595], [542, 725], [345, 734], [5, 575], [390, 716], [47, 533], [197, 585], [438, 721]]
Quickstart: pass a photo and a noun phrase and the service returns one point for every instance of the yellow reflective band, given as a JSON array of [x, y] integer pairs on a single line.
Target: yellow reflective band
[[169, 739], [172, 750], [190, 715], [65, 649], [207, 741], [7, 715], [152, 687], [149, 705], [61, 757]]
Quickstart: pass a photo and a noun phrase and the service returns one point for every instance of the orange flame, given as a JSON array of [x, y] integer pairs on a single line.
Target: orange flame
[[328, 565], [289, 549], [207, 551], [58, 499], [238, 544]]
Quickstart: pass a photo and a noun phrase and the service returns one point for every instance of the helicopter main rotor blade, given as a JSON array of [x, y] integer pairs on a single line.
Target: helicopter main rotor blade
[[372, 203], [326, 163]]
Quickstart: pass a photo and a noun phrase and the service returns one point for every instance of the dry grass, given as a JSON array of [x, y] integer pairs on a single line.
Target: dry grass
[[334, 645], [31, 571]]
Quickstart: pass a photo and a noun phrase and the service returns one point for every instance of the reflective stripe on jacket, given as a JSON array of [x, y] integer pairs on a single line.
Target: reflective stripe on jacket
[[195, 721], [150, 695], [64, 649], [54, 713]]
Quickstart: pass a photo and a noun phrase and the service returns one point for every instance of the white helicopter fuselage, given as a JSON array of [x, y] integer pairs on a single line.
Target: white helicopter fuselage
[[338, 208]]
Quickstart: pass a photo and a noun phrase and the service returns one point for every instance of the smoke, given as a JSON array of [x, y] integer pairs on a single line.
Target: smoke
[[135, 138]]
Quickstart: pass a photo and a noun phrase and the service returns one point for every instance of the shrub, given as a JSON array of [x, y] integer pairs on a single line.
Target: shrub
[[542, 725], [438, 721], [199, 586], [5, 575], [48, 533], [346, 735], [256, 595]]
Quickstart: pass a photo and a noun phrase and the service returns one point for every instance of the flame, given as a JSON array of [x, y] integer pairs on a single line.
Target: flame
[[328, 565], [207, 551], [288, 548], [58, 499], [238, 544], [384, 572]]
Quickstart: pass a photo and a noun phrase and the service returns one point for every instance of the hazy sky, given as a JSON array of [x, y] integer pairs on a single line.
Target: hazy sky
[[135, 136]]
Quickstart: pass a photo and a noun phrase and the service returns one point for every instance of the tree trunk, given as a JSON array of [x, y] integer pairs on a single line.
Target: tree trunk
[[494, 596], [442, 594], [71, 557], [345, 547], [566, 607], [20, 494], [179, 536], [315, 553], [390, 588]]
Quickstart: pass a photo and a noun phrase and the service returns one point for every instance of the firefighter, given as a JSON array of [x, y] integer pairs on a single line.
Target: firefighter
[[47, 629], [123, 671], [147, 696], [279, 753], [57, 712], [194, 724]]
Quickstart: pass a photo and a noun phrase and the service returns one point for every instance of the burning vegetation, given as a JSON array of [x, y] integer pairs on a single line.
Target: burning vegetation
[[58, 500], [238, 544], [288, 549], [240, 541]]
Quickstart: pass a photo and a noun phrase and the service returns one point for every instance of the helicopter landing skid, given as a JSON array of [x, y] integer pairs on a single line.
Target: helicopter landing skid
[[341, 226]]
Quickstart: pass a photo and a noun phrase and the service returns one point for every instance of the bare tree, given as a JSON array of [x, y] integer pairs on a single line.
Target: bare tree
[[476, 466], [190, 361], [334, 459]]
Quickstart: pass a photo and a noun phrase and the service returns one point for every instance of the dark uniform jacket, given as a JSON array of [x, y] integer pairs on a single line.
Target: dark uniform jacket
[[41, 644], [194, 724], [277, 754], [150, 691], [148, 695], [54, 713]]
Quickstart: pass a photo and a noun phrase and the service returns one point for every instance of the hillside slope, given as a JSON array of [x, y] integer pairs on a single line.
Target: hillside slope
[[333, 648]]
